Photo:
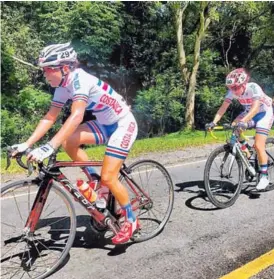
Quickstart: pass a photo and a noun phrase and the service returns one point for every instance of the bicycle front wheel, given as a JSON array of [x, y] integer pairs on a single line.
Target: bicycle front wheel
[[37, 254], [223, 177], [152, 204]]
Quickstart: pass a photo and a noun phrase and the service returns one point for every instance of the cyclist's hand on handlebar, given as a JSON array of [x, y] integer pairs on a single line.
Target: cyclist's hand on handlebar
[[41, 153], [210, 126], [19, 148], [242, 125]]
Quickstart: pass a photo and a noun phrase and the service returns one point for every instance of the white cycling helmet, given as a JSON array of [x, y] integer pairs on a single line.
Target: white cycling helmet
[[57, 55], [237, 78]]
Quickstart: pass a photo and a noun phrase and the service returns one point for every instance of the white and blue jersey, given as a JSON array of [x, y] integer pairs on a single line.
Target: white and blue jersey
[[104, 102], [115, 124], [253, 92]]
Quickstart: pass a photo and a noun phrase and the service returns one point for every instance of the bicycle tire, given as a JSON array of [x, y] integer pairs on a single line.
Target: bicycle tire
[[143, 237], [270, 141], [222, 149], [70, 207]]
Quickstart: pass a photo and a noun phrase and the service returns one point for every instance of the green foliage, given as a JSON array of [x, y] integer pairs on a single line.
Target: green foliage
[[18, 39], [21, 114], [133, 45], [159, 109], [95, 29]]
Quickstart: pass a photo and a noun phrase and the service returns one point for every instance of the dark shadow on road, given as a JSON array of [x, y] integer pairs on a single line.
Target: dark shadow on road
[[86, 238], [183, 187], [199, 201], [250, 190]]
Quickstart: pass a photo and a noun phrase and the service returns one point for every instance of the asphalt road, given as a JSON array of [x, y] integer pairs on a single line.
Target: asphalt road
[[198, 241]]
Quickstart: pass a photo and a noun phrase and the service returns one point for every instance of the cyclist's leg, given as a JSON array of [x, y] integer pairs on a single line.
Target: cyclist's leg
[[117, 150], [89, 132], [263, 126]]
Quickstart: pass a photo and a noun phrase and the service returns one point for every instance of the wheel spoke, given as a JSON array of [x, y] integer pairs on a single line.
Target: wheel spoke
[[35, 255], [17, 207], [155, 182]]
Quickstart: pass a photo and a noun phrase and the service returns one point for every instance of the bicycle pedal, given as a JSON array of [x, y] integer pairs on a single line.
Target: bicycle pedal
[[254, 194], [269, 187]]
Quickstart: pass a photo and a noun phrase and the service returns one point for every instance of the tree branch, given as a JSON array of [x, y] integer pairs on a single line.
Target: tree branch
[[21, 61], [230, 43]]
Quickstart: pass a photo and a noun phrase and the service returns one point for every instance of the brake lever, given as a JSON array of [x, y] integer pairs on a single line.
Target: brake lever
[[31, 168], [9, 153], [8, 158]]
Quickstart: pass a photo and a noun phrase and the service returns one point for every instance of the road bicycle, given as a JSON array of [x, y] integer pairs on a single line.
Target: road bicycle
[[39, 220], [227, 168]]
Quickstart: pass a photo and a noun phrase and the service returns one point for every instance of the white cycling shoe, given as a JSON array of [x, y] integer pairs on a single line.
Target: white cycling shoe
[[264, 182]]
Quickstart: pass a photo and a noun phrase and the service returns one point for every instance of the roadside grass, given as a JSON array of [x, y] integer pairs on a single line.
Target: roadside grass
[[170, 142]]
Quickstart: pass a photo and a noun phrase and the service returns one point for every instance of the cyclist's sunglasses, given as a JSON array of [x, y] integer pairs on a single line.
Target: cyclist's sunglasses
[[236, 90], [50, 69]]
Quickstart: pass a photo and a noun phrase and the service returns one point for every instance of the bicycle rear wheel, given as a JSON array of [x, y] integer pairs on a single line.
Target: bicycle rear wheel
[[155, 206], [223, 177], [38, 254], [270, 150]]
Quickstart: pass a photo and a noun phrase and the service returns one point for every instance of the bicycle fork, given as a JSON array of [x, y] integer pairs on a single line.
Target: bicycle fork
[[37, 206]]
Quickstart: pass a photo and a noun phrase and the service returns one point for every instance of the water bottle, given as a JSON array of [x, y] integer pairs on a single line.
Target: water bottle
[[246, 150], [233, 140], [86, 190]]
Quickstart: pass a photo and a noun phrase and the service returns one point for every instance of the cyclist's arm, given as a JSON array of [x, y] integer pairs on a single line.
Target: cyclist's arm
[[253, 111], [77, 113], [44, 125], [223, 108]]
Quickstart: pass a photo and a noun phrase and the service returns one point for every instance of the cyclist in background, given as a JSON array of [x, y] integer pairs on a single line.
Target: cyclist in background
[[115, 124], [258, 113]]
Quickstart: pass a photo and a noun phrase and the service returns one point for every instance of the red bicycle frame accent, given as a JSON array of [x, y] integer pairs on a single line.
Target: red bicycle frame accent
[[44, 189], [38, 205], [133, 187]]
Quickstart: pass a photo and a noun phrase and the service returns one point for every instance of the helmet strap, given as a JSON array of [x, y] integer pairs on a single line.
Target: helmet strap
[[64, 77]]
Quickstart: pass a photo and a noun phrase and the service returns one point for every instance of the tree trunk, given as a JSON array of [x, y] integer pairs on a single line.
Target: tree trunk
[[190, 100], [179, 15]]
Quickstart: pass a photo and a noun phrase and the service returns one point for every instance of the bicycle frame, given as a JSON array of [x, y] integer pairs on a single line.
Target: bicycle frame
[[236, 150], [54, 174], [133, 185]]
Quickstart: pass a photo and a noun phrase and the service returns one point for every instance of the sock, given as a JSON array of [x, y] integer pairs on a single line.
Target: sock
[[263, 170], [129, 213]]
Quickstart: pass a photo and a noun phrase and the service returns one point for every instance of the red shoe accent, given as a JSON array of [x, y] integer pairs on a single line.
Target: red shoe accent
[[121, 212], [126, 232]]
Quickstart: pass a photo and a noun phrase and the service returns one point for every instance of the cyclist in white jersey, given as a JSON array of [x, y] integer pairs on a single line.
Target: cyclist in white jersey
[[258, 113], [114, 124]]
